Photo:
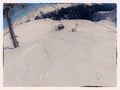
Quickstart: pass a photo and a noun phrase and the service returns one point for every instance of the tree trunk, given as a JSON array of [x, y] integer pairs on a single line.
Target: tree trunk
[[15, 42]]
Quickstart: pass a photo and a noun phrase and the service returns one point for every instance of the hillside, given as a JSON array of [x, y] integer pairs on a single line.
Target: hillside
[[66, 11], [61, 58], [46, 57]]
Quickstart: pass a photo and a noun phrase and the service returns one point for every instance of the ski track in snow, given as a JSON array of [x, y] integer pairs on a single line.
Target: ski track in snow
[[61, 58]]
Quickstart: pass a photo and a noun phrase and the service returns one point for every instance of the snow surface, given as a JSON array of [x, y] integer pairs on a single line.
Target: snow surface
[[61, 58]]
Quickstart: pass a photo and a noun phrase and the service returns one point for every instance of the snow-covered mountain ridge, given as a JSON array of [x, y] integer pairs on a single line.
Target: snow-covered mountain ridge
[[51, 11]]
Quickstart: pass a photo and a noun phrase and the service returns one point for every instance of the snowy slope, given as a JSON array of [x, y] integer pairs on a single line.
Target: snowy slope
[[105, 15], [50, 7], [61, 58], [95, 16]]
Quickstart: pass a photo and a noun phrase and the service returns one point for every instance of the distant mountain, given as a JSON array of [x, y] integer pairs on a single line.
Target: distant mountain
[[67, 11], [105, 15], [78, 11]]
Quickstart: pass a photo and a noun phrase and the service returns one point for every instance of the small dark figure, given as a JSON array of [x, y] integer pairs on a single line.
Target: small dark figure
[[60, 27], [75, 28]]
